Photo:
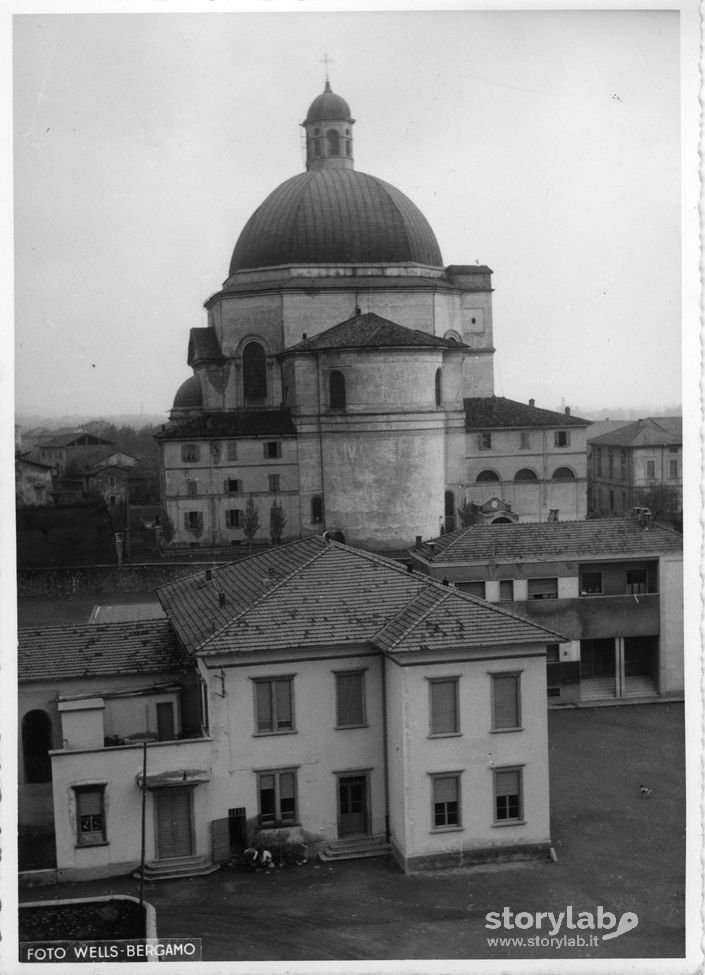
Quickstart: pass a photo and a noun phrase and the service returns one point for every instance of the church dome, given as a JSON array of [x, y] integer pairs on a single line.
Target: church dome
[[189, 395], [335, 215], [328, 105]]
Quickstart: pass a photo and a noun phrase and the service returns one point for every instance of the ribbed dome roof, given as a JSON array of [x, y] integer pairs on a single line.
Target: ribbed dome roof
[[330, 216], [189, 394], [328, 105]]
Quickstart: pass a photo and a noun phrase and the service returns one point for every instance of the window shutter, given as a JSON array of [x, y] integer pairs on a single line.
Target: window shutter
[[264, 707], [507, 783], [445, 788], [349, 699], [282, 690], [506, 702], [444, 719]]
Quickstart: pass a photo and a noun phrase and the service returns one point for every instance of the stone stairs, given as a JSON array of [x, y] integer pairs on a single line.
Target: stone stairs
[[355, 848], [171, 869]]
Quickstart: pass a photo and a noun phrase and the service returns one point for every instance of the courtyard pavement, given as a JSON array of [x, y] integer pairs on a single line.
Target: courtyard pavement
[[615, 848]]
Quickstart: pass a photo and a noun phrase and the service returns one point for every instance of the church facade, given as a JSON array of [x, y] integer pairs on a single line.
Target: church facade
[[332, 383]]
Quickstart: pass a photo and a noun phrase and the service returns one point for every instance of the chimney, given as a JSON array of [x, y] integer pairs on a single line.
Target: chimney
[[221, 599], [409, 567], [532, 402], [303, 336], [567, 411], [209, 575], [418, 542]]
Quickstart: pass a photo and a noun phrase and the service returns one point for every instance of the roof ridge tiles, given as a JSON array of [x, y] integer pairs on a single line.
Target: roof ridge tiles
[[440, 597]]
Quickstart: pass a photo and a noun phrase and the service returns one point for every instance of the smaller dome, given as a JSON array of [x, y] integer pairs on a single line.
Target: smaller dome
[[328, 106], [189, 395]]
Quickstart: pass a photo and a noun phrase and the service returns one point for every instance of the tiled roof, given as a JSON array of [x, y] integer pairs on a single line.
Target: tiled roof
[[444, 619], [483, 412], [317, 593], [76, 439], [370, 331], [603, 537], [238, 423], [653, 431], [203, 344], [99, 650]]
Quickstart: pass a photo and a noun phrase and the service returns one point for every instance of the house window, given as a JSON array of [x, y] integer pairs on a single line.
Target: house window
[[553, 653], [507, 795], [192, 488], [316, 510], [561, 438], [610, 463], [166, 725], [444, 706], [233, 518], [189, 453], [231, 449], [623, 464], [524, 440], [484, 441], [651, 469], [590, 583], [274, 480], [36, 745], [350, 699], [673, 468], [254, 372], [277, 798], [487, 476], [542, 588], [474, 588], [90, 814], [506, 703], [563, 474], [637, 582], [525, 474], [272, 449], [439, 390], [336, 383], [274, 709], [233, 486], [446, 801], [506, 590], [193, 521]]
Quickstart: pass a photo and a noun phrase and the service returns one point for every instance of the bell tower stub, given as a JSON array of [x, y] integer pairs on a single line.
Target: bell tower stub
[[328, 125]]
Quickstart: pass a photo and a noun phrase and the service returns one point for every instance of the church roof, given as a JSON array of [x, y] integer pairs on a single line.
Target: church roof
[[328, 105], [189, 394], [534, 542], [238, 423], [482, 412], [96, 650], [651, 432], [335, 215], [370, 331], [318, 593]]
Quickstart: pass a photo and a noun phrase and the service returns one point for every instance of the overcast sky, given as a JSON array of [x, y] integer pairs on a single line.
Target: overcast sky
[[544, 144]]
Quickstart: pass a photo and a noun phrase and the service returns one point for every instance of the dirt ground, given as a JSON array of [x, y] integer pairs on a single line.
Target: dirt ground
[[615, 849]]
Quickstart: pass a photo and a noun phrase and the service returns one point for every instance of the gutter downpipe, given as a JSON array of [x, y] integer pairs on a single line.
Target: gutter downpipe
[[386, 751]]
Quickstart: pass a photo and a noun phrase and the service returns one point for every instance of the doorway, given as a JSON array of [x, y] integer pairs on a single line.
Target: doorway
[[352, 805], [174, 824]]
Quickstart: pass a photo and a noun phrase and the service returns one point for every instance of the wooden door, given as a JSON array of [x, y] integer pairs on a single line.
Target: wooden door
[[352, 804], [174, 836]]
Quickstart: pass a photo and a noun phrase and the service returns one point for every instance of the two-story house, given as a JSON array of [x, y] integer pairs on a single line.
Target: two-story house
[[343, 696], [613, 587]]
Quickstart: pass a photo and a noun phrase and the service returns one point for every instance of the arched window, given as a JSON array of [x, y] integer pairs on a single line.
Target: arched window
[[439, 387], [333, 142], [254, 372], [336, 382], [36, 743], [525, 474], [487, 476], [316, 510], [563, 474]]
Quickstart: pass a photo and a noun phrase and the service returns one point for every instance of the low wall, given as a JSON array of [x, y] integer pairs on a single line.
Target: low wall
[[71, 581]]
